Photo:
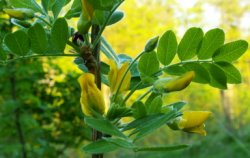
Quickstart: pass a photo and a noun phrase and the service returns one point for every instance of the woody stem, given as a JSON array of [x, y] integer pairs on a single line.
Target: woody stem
[[96, 135]]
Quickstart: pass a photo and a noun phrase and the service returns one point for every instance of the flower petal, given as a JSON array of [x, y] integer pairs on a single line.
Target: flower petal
[[194, 118], [91, 97], [199, 129]]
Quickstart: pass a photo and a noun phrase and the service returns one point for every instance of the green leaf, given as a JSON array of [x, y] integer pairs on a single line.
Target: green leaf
[[148, 127], [232, 73], [135, 81], [124, 58], [104, 126], [30, 4], [139, 110], [18, 42], [201, 74], [100, 146], [148, 124], [115, 17], [218, 78], [109, 52], [178, 105], [45, 4], [148, 64], [105, 68], [190, 43], [167, 48], [57, 7], [155, 106], [59, 34], [38, 38], [212, 40], [162, 148], [140, 122], [120, 142], [176, 69], [152, 96], [147, 79], [75, 10], [83, 68], [99, 17], [116, 111], [103, 4], [231, 51]]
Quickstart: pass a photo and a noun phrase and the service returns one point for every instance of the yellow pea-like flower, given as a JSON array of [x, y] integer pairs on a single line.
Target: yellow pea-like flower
[[115, 76], [174, 84], [192, 121], [20, 13], [91, 97]]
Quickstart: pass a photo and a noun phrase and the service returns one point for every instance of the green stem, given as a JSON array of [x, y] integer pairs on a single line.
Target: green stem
[[131, 92], [38, 56], [86, 38], [73, 46], [123, 77], [144, 95], [98, 37], [183, 62], [43, 20]]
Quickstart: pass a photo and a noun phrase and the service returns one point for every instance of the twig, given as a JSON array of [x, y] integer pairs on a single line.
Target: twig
[[96, 135]]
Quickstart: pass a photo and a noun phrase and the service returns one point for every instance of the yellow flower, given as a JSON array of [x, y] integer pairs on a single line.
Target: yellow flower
[[193, 121], [174, 84], [115, 76], [91, 97]]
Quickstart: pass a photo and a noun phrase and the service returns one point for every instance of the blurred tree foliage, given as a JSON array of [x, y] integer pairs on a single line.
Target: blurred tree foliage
[[40, 114]]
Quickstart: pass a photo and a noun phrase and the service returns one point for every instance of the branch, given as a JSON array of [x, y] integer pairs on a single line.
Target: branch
[[96, 135]]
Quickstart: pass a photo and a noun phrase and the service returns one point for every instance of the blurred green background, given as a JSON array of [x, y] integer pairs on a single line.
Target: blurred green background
[[40, 97]]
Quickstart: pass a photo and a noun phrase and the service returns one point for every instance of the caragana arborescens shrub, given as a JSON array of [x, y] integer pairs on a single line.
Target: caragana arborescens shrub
[[204, 57]]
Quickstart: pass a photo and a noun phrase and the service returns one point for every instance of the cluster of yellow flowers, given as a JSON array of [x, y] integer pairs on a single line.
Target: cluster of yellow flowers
[[92, 100]]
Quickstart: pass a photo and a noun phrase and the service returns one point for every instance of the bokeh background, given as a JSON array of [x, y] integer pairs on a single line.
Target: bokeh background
[[40, 97]]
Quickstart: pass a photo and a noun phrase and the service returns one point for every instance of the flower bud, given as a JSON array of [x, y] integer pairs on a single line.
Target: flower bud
[[92, 99], [83, 24], [151, 44], [20, 13], [174, 84], [191, 121]]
